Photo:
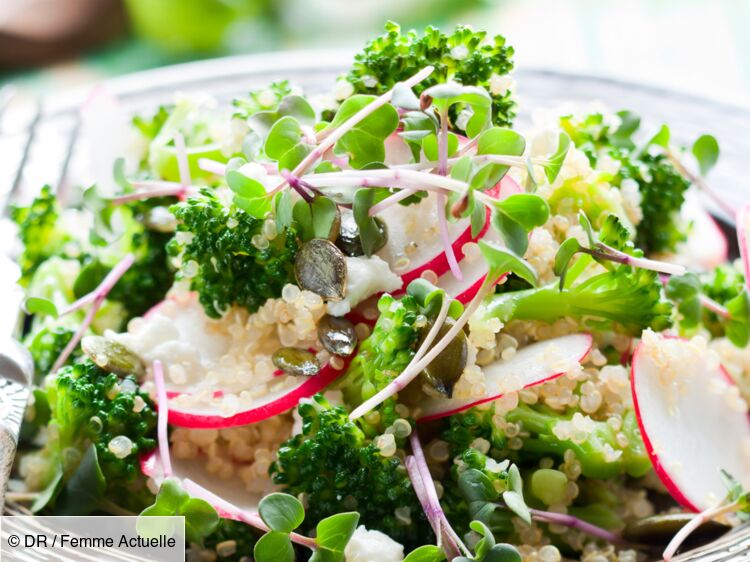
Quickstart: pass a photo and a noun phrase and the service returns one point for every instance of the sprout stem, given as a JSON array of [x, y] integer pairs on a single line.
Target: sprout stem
[[248, 517], [172, 190], [100, 293], [391, 200], [161, 420], [710, 304], [349, 124], [450, 255], [694, 523], [515, 161], [575, 523], [701, 184], [608, 253]]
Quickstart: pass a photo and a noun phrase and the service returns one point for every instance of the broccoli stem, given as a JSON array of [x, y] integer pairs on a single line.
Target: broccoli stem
[[592, 453]]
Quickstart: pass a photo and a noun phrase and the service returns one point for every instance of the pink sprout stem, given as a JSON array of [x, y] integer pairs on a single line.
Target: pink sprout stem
[[401, 176], [611, 254], [80, 303], [248, 517], [443, 228], [100, 293], [345, 127], [161, 420], [693, 524], [183, 165], [175, 190], [212, 166], [701, 184], [709, 304], [743, 229], [392, 200], [400, 382], [575, 523]]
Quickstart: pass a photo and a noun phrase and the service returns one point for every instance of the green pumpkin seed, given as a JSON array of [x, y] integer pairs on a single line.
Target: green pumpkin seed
[[337, 335], [320, 267], [658, 530], [112, 356], [349, 241], [296, 362], [445, 370]]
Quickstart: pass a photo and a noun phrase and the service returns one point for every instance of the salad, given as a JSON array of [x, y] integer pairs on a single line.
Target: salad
[[383, 324]]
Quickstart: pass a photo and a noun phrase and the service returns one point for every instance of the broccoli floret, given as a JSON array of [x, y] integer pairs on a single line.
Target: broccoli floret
[[625, 299], [243, 536], [46, 345], [463, 56], [338, 468], [42, 233], [92, 407], [231, 269], [150, 277], [383, 355], [662, 190]]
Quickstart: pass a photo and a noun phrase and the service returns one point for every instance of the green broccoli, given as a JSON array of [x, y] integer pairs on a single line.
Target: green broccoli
[[100, 424], [42, 233], [625, 299], [383, 355], [598, 454], [45, 346], [463, 56], [338, 468], [231, 269], [661, 186]]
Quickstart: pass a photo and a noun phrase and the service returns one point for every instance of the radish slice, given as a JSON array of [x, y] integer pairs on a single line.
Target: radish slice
[[418, 224], [201, 354], [397, 152], [151, 466], [474, 268], [706, 245], [692, 419], [530, 366], [743, 226]]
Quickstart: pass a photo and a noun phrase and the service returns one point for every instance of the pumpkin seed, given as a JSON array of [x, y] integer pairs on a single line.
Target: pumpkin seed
[[349, 241], [445, 370], [296, 362], [112, 356], [320, 267], [658, 530], [337, 335]]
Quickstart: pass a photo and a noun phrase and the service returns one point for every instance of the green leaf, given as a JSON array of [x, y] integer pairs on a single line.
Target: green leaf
[[447, 94], [503, 552], [661, 138], [686, 290], [501, 141], [317, 219], [281, 512], [293, 106], [738, 327], [514, 479], [118, 172], [585, 223], [369, 232], [629, 124], [201, 518], [426, 553], [430, 146], [733, 486], [515, 236], [404, 97], [89, 278], [484, 544], [284, 206], [706, 152], [50, 492], [365, 142], [527, 209], [333, 533], [478, 215], [517, 505], [274, 547], [555, 162], [475, 486], [40, 306], [565, 253], [502, 261], [84, 489], [430, 297], [285, 143]]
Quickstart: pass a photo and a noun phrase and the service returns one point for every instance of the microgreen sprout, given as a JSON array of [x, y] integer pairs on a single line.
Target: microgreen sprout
[[162, 417], [95, 301]]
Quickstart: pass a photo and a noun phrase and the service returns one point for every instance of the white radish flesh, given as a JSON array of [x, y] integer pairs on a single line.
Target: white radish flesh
[[691, 417], [532, 365]]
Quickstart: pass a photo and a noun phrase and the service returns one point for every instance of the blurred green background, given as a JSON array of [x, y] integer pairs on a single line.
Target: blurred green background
[[700, 46]]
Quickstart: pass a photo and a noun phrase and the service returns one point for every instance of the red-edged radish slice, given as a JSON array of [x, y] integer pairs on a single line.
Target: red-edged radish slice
[[474, 268], [233, 487], [691, 417], [431, 247], [397, 152], [530, 366], [263, 407], [706, 246], [178, 333], [743, 227]]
